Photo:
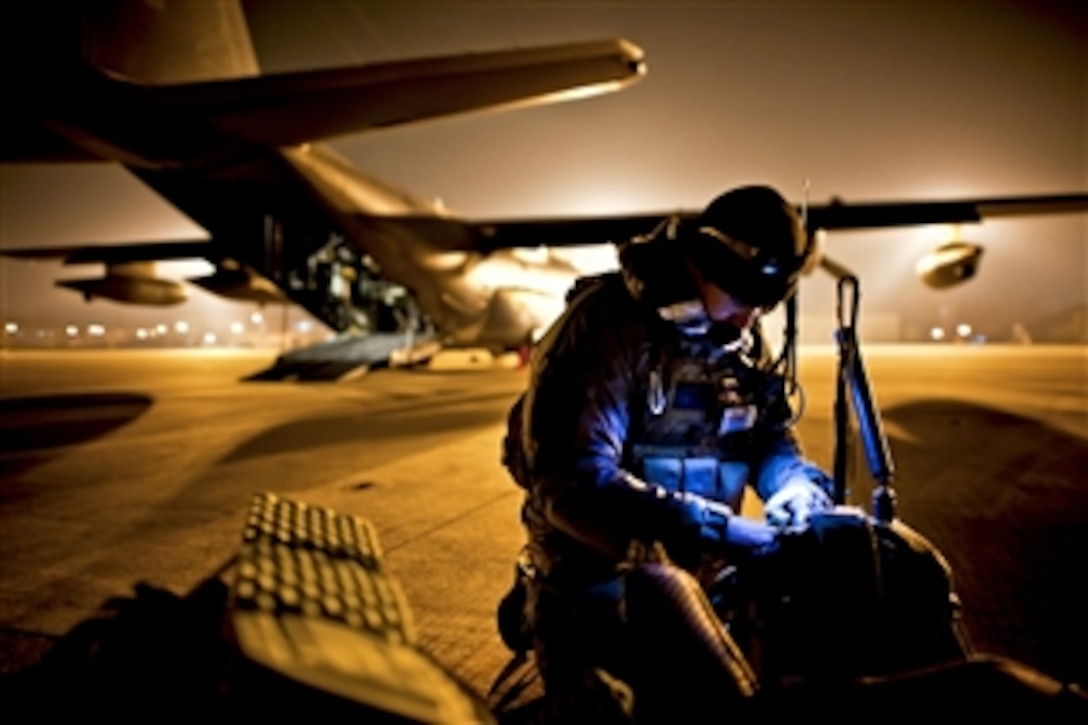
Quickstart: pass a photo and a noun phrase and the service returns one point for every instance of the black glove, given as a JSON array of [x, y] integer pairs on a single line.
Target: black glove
[[719, 526]]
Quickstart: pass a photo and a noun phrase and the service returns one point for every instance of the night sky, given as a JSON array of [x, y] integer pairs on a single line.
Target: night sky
[[867, 101]]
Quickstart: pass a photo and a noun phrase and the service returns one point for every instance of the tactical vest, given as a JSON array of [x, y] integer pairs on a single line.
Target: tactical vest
[[702, 419]]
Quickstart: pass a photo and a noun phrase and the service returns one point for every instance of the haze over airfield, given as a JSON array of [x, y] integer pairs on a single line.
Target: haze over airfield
[[867, 101]]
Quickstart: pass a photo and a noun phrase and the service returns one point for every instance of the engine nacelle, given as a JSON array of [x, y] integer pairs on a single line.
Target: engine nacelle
[[240, 283], [129, 290], [949, 264]]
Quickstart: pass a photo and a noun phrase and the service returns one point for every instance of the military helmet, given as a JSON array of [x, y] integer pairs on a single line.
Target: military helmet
[[750, 242]]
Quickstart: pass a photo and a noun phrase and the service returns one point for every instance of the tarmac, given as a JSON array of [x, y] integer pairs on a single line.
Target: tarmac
[[127, 469]]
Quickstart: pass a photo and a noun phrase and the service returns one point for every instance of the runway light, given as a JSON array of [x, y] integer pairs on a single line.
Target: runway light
[[936, 333]]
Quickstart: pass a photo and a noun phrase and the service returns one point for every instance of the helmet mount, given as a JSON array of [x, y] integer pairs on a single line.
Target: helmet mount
[[750, 243]]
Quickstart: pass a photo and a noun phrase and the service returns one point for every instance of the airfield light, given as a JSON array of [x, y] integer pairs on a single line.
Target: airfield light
[[96, 330], [237, 328], [936, 334], [71, 330], [181, 327], [11, 327], [963, 329]]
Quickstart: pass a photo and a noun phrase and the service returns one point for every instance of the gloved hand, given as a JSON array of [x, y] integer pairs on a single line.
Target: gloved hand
[[721, 526], [749, 533], [794, 503]]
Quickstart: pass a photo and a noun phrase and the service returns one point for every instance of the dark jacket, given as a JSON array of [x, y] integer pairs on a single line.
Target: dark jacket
[[586, 404]]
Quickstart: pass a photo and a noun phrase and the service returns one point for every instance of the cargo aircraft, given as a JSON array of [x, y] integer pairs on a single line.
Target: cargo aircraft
[[173, 92]]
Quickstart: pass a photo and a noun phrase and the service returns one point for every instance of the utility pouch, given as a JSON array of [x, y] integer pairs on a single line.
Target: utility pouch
[[513, 452]]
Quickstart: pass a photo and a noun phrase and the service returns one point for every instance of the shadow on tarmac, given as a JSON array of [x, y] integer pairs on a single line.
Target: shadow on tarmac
[[1004, 498], [139, 656], [371, 428], [34, 426]]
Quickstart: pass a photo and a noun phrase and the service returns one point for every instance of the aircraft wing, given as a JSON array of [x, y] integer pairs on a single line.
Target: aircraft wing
[[842, 215], [488, 236], [288, 109], [836, 215], [563, 232], [119, 253]]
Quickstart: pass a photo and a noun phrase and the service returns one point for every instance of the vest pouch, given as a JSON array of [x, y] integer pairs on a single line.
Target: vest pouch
[[513, 451], [695, 475], [732, 477]]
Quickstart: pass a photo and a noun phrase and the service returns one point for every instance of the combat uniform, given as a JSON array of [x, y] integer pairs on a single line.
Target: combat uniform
[[639, 411]]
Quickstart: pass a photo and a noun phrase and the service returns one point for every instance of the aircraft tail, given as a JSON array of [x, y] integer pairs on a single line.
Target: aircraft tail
[[158, 43], [288, 109], [176, 83], [199, 54]]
